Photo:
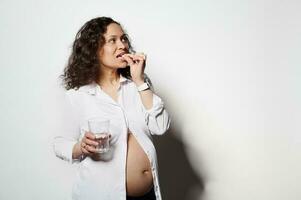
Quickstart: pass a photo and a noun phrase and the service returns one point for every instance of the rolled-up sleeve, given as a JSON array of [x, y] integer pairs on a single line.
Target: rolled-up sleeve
[[68, 130], [157, 118]]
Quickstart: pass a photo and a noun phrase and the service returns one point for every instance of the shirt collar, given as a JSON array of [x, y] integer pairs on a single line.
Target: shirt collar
[[92, 87]]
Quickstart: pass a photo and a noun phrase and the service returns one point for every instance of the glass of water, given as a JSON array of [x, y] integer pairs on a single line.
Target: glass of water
[[100, 128]]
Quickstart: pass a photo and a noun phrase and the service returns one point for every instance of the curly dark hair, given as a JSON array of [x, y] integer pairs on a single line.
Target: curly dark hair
[[83, 64]]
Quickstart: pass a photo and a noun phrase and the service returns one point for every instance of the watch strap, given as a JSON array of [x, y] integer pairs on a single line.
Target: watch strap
[[143, 87]]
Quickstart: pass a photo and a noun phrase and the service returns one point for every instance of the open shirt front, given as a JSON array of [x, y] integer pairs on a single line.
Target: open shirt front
[[106, 179]]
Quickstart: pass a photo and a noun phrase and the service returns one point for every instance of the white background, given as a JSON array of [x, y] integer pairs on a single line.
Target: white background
[[228, 70]]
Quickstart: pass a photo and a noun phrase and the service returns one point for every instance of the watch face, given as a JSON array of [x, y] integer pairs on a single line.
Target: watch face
[[148, 85]]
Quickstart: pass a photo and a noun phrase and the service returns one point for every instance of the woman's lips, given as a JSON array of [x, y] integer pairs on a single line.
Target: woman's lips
[[121, 59], [120, 54]]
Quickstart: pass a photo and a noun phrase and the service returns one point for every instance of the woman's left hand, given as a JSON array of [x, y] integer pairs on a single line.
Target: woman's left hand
[[137, 65]]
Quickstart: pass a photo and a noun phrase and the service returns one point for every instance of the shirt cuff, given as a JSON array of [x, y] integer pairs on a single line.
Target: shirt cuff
[[157, 107], [64, 151]]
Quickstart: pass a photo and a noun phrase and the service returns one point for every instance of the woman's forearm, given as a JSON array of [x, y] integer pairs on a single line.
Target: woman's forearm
[[145, 95]]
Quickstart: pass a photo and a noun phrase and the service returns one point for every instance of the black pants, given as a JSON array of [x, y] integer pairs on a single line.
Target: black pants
[[148, 196]]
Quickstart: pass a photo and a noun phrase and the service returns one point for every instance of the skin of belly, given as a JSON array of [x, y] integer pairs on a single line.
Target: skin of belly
[[139, 179]]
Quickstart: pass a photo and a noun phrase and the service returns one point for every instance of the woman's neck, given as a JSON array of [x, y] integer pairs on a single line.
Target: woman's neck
[[108, 78]]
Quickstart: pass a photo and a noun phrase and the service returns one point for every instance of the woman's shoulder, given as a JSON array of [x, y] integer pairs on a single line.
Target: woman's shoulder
[[82, 90]]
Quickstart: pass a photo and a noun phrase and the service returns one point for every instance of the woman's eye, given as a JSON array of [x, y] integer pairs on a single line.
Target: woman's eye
[[112, 40], [124, 39]]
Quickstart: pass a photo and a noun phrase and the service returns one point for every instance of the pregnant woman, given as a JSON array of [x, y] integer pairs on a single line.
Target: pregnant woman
[[105, 80]]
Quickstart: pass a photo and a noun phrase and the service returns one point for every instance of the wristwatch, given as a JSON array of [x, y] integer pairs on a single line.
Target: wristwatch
[[143, 87]]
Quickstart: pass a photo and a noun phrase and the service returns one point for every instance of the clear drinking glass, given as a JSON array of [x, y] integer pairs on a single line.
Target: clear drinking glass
[[100, 128]]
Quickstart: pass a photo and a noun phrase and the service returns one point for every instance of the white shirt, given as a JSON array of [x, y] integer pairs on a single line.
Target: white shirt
[[106, 179]]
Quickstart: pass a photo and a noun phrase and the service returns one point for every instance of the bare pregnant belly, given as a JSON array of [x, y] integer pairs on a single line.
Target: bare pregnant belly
[[139, 179]]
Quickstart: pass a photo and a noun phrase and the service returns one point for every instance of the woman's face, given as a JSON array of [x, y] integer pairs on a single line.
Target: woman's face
[[116, 43]]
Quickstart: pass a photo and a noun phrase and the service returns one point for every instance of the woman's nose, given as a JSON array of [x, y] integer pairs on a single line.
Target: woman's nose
[[120, 44]]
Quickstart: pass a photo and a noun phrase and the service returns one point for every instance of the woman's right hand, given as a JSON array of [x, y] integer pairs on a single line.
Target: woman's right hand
[[88, 144]]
